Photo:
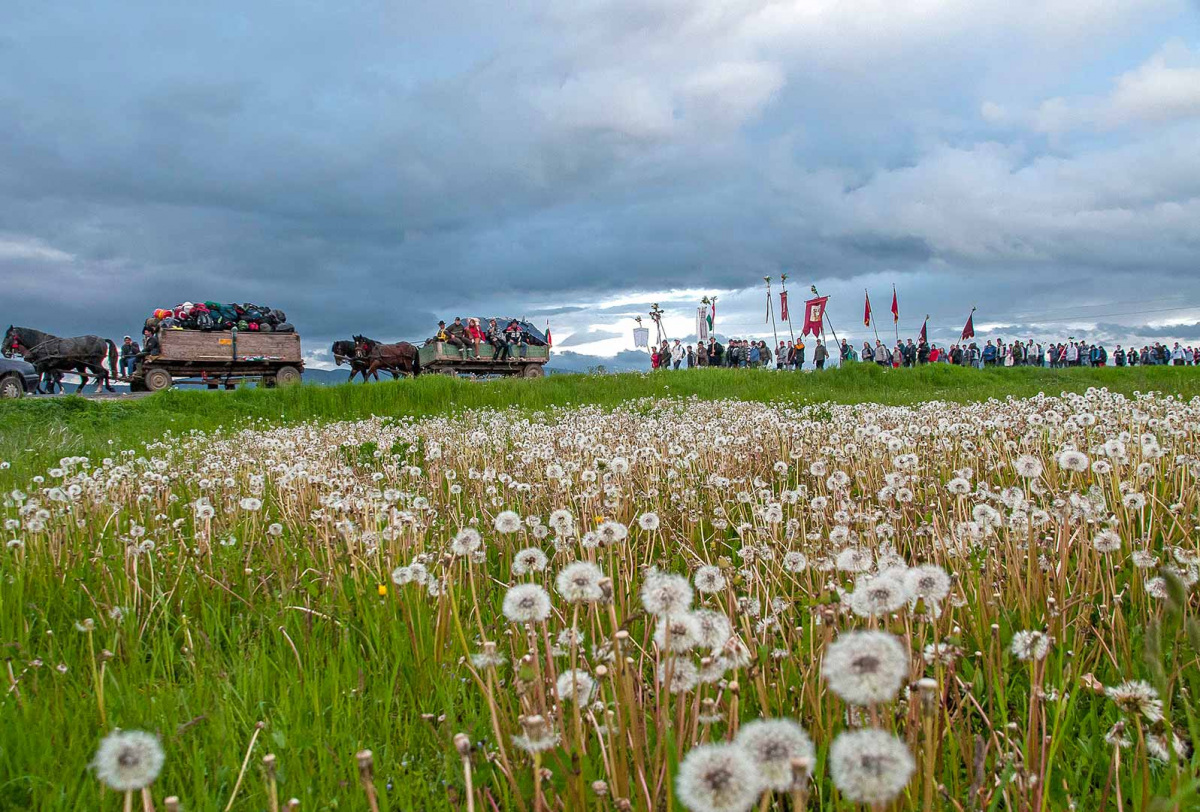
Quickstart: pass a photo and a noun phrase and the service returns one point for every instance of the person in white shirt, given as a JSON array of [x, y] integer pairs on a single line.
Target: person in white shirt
[[1177, 355], [678, 353]]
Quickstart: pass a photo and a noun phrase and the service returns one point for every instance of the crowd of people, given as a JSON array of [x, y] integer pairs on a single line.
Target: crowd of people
[[993, 353], [473, 334]]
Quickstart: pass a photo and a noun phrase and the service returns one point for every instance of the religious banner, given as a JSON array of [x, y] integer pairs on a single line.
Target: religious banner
[[924, 337], [641, 337], [867, 310], [969, 330], [702, 324], [783, 311], [814, 315], [895, 306]]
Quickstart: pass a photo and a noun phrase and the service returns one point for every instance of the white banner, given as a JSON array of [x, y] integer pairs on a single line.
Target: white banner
[[641, 336], [702, 324]]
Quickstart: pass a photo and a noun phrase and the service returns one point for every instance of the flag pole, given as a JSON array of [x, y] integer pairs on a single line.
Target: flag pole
[[825, 318], [874, 325], [771, 311], [783, 283]]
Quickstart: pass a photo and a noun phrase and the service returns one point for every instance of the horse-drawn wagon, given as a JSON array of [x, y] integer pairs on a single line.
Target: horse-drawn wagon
[[526, 361], [220, 359]]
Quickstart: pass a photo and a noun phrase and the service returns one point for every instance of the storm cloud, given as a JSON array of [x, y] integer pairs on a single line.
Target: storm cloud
[[370, 166]]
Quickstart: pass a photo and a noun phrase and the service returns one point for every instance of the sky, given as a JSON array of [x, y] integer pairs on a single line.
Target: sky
[[371, 166]]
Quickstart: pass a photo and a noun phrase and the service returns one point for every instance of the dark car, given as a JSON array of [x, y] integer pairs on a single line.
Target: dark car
[[16, 378]]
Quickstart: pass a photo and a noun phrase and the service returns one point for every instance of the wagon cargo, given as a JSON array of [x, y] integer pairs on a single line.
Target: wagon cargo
[[218, 359]]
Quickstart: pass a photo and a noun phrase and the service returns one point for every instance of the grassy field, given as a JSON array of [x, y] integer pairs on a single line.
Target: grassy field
[[274, 572], [36, 433]]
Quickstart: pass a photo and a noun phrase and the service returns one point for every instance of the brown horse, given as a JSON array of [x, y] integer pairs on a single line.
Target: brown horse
[[401, 356]]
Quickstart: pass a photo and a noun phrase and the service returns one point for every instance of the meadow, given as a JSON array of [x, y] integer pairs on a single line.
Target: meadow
[[708, 590]]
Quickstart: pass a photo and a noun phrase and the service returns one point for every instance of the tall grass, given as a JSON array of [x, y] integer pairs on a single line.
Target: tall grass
[[34, 433], [307, 636]]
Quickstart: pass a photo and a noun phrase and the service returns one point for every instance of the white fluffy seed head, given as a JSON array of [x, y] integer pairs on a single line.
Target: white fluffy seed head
[[870, 766], [665, 593], [579, 582], [575, 686], [866, 667], [526, 603], [772, 745], [507, 522], [128, 760], [717, 778]]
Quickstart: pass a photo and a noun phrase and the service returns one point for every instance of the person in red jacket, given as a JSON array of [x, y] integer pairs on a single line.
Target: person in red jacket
[[474, 334], [934, 354]]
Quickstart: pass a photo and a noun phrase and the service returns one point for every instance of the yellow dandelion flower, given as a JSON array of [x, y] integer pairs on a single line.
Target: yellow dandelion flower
[[382, 588]]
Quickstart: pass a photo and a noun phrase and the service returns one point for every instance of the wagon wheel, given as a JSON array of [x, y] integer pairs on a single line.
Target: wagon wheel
[[157, 380], [287, 376], [533, 371]]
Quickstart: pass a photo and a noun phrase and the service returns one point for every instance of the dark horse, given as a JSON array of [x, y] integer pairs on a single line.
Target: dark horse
[[401, 356], [51, 354], [348, 351]]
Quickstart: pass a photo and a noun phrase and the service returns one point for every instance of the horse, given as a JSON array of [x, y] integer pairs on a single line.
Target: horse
[[401, 356], [51, 354], [348, 351]]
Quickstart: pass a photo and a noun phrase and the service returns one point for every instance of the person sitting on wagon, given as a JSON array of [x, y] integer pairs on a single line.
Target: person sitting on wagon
[[474, 334], [495, 337], [514, 333], [456, 335]]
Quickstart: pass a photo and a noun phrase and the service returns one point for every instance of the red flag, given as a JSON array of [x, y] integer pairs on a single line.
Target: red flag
[[895, 306], [549, 340], [924, 336], [867, 311], [969, 330], [783, 311], [814, 315]]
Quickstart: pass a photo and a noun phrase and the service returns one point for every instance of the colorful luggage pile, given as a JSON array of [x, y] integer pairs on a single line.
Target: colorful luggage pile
[[211, 316]]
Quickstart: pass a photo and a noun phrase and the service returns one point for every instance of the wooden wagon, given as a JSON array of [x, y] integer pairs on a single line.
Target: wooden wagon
[[220, 359], [527, 361]]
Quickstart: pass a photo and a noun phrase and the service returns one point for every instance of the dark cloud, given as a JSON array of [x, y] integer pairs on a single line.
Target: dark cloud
[[371, 166]]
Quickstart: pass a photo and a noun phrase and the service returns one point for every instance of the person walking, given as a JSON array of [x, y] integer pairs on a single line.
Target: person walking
[[678, 354], [820, 354]]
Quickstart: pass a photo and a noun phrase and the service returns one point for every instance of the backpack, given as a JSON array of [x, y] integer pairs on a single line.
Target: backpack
[[243, 325], [204, 321], [152, 323], [284, 327], [264, 327]]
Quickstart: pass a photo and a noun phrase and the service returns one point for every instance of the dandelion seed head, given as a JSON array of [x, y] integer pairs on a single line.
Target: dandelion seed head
[[128, 760], [717, 778], [870, 766]]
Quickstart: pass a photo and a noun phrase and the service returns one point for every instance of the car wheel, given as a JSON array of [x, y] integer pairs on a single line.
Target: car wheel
[[11, 388]]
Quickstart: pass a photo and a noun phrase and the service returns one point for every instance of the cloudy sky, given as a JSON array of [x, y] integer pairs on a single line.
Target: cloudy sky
[[372, 165]]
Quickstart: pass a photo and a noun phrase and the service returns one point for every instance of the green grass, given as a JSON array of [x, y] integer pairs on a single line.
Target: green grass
[[35, 433], [206, 658]]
